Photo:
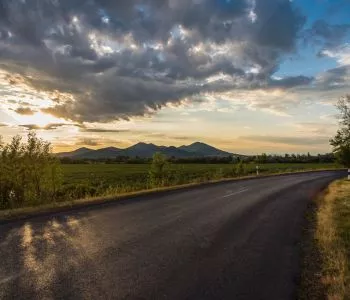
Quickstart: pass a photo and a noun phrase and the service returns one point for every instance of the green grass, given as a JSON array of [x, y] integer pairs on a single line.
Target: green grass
[[81, 180], [113, 173]]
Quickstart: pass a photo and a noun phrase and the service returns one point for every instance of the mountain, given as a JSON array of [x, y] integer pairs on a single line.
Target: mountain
[[77, 152], [144, 150], [147, 150], [141, 150], [202, 149], [109, 152]]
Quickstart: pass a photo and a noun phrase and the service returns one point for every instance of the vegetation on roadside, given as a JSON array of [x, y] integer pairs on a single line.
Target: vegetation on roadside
[[29, 174], [86, 180], [333, 240]]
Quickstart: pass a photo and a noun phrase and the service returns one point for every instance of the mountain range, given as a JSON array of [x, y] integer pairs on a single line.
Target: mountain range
[[144, 150]]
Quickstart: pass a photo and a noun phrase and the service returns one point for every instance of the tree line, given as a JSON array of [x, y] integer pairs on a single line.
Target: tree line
[[260, 159]]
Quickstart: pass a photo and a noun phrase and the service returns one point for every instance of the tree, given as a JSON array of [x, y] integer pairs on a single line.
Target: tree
[[157, 171], [261, 159], [341, 141]]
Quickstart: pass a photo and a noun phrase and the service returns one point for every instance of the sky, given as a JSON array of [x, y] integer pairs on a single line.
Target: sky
[[247, 76]]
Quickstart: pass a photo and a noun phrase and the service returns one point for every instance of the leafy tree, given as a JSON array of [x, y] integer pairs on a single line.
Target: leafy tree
[[341, 141]]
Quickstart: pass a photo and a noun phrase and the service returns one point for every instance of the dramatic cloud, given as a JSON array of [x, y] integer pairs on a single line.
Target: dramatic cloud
[[334, 78], [26, 111], [89, 142], [104, 60]]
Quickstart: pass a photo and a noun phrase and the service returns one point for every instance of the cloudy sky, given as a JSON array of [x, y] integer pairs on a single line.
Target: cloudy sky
[[248, 76]]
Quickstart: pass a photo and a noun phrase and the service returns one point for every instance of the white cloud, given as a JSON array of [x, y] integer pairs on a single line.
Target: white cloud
[[341, 54]]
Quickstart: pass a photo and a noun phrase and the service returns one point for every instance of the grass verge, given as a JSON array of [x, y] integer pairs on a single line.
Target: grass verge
[[332, 244]]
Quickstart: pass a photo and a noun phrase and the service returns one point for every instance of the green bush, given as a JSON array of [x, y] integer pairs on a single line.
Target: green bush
[[157, 173], [29, 173]]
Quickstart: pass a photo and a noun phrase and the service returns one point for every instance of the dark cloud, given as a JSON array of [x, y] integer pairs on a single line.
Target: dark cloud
[[334, 78], [125, 58], [89, 142], [298, 141], [277, 24], [93, 142], [26, 111], [327, 35]]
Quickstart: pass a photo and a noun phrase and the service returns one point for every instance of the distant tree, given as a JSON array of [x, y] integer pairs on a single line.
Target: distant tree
[[262, 158], [157, 170], [341, 141]]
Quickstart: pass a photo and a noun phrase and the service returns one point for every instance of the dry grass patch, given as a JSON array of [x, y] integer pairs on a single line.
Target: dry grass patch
[[332, 236]]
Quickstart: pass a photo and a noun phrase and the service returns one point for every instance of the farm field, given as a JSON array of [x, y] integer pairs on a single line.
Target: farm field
[[102, 179]]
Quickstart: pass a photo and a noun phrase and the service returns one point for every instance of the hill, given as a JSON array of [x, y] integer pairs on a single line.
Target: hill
[[77, 152], [201, 149], [144, 150]]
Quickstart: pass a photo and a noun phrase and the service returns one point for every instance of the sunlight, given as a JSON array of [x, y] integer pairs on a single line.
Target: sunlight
[[40, 119]]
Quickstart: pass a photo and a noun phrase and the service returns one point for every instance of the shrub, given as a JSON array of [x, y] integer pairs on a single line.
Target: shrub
[[157, 171], [29, 173]]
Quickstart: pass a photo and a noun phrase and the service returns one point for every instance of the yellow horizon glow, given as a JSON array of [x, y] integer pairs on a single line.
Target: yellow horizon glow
[[39, 119]]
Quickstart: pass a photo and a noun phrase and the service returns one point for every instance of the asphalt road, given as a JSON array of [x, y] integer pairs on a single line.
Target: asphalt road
[[238, 240]]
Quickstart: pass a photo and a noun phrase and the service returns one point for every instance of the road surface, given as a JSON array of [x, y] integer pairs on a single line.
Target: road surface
[[237, 240]]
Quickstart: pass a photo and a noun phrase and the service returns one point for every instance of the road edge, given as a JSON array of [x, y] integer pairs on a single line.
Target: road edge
[[22, 214]]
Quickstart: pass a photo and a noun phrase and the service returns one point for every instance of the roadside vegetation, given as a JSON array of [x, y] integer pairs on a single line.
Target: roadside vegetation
[[82, 180], [333, 239], [29, 174]]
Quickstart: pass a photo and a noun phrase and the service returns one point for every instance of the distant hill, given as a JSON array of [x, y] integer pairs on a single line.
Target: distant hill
[[201, 149], [78, 152], [144, 150], [110, 152], [147, 150]]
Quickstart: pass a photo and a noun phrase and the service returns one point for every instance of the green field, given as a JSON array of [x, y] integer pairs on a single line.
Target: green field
[[102, 179]]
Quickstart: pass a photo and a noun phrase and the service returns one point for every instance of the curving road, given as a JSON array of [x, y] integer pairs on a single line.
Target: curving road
[[237, 240]]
